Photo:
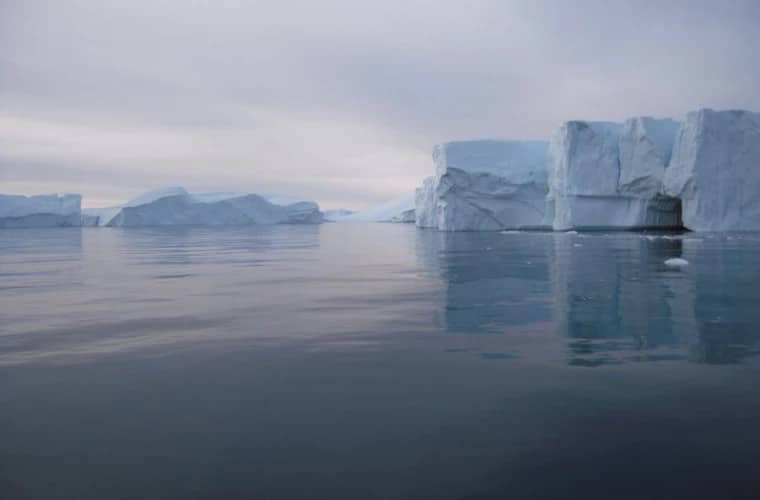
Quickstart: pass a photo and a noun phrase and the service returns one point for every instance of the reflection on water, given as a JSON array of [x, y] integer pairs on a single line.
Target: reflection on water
[[609, 296], [377, 361]]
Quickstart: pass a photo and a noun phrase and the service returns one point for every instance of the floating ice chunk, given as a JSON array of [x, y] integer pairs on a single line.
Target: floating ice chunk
[[676, 262]]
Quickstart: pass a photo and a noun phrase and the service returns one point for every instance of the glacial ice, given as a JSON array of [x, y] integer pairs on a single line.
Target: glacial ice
[[485, 185], [609, 176], [715, 170], [52, 210]]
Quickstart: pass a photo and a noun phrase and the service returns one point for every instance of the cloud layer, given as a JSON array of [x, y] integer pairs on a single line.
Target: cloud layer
[[339, 101]]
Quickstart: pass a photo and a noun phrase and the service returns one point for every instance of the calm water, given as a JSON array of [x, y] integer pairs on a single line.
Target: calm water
[[377, 361]]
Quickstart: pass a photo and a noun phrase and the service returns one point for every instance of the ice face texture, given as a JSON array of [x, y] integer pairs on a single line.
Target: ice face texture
[[715, 170], [425, 204], [485, 185], [51, 210], [177, 207], [609, 175]]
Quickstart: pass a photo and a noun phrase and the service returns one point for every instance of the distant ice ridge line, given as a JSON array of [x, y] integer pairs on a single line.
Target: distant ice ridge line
[[175, 206], [53, 210]]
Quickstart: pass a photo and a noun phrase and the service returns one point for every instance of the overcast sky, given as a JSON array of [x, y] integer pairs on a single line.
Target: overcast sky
[[337, 101]]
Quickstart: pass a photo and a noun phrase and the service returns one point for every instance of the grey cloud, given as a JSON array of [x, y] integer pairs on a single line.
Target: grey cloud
[[342, 100]]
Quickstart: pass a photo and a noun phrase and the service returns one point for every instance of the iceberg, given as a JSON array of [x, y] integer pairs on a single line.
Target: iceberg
[[96, 217], [54, 210], [485, 185], [337, 214], [175, 206], [610, 176], [399, 209], [715, 170]]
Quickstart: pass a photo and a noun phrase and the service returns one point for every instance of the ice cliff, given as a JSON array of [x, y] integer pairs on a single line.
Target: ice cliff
[[40, 211], [610, 175], [715, 170], [702, 174], [485, 185]]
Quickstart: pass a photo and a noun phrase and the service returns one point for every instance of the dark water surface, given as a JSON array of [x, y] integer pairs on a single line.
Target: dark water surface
[[377, 361]]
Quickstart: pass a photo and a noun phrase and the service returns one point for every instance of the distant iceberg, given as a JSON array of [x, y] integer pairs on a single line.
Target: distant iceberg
[[337, 214], [175, 206], [53, 210], [399, 209]]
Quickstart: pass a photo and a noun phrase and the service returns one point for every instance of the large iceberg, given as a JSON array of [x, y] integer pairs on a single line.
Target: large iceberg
[[609, 175], [715, 170], [485, 185], [52, 210]]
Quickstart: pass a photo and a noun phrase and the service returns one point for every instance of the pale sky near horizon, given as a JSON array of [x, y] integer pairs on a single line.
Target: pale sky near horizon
[[336, 101]]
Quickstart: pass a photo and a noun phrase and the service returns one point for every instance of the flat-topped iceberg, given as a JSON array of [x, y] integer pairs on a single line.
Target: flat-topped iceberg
[[702, 174], [54, 210], [485, 185], [715, 170]]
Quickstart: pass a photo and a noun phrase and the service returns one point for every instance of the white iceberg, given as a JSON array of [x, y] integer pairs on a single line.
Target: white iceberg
[[54, 210], [485, 185], [715, 171], [609, 175]]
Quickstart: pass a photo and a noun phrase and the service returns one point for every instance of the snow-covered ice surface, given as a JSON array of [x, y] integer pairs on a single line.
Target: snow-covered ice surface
[[485, 185], [53, 210], [399, 209], [715, 170]]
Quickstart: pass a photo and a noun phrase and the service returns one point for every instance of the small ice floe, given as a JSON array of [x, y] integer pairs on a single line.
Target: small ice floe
[[571, 232], [577, 245], [676, 262], [510, 232]]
